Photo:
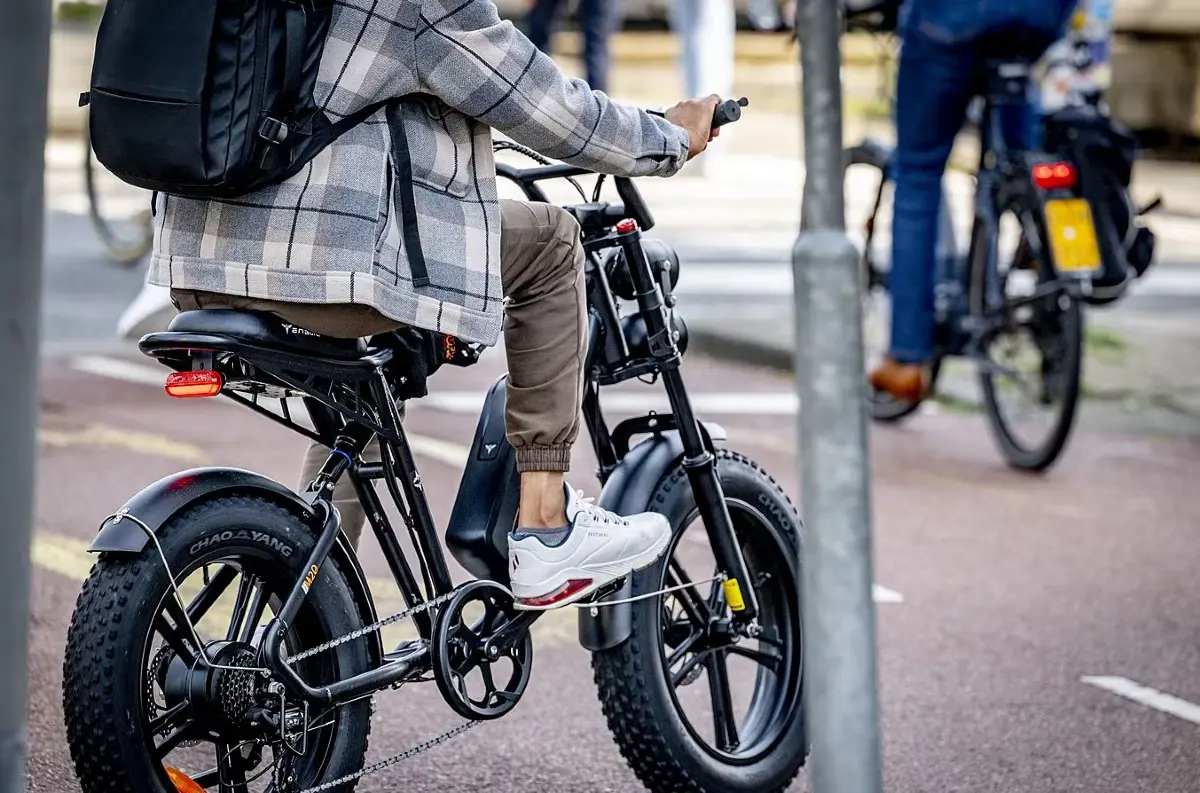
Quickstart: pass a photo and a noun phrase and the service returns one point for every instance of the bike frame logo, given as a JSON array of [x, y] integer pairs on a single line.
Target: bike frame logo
[[310, 577]]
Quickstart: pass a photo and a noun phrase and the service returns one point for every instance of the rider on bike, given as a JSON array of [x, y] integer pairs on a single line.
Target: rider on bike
[[939, 61], [398, 223]]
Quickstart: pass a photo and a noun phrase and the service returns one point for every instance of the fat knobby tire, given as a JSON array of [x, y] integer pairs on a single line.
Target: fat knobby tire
[[649, 734], [103, 722]]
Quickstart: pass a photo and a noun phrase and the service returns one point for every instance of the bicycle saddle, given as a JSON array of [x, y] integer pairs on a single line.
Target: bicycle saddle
[[262, 330]]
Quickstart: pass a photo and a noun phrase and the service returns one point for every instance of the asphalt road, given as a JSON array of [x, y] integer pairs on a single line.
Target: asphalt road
[[999, 592], [1013, 588]]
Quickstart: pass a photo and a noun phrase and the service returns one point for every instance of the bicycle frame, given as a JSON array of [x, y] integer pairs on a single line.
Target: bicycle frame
[[347, 417]]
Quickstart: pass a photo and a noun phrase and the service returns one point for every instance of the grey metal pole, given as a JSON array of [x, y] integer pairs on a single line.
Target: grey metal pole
[[24, 67], [840, 681]]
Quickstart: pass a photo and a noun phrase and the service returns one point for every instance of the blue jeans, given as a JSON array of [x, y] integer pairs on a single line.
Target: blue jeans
[[596, 18], [938, 71]]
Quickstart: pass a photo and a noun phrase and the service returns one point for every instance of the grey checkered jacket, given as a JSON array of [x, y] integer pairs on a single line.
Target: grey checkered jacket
[[401, 212]]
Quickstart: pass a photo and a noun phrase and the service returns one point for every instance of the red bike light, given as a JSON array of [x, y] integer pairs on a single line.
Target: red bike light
[[191, 385], [626, 226], [1055, 176]]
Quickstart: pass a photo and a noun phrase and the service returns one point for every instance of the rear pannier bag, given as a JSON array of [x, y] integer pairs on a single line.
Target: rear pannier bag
[[1104, 153], [209, 98]]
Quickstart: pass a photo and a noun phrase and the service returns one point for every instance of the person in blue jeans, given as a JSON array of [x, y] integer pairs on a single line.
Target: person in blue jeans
[[939, 62], [597, 18]]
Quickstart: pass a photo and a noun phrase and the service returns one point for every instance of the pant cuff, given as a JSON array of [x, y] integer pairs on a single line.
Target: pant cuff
[[544, 458], [910, 355]]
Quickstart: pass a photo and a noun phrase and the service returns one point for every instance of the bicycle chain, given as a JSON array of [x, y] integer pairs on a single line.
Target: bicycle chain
[[375, 626], [391, 761], [283, 772]]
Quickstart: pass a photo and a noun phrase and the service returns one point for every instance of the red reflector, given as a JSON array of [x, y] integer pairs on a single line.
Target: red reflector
[[563, 593], [626, 226], [182, 782], [1054, 177], [188, 385]]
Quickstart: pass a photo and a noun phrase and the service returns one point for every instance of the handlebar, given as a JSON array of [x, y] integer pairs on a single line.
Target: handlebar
[[728, 112], [634, 206]]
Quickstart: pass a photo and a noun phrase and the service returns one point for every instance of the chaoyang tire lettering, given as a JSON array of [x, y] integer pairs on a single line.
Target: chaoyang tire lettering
[[229, 535]]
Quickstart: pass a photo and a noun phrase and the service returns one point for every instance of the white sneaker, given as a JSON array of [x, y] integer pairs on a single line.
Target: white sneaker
[[150, 312], [548, 570]]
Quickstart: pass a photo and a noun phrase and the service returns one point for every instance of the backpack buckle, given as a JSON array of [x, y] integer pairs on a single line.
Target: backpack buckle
[[272, 130]]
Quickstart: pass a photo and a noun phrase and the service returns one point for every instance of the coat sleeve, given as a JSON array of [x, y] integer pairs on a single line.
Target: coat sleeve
[[487, 69]]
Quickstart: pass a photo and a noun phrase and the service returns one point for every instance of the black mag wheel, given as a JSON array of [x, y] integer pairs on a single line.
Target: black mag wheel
[[692, 706], [869, 221], [119, 213], [144, 714], [1032, 369]]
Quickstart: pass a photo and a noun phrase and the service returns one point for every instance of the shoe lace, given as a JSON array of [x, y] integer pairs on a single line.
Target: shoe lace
[[588, 506]]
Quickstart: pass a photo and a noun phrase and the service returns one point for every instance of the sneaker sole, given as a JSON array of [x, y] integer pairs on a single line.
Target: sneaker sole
[[639, 562]]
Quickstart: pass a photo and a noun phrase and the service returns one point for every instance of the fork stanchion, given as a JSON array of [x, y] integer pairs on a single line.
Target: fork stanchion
[[24, 66], [840, 677]]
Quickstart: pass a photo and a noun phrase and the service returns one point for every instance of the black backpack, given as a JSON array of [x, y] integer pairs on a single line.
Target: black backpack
[[1104, 152], [209, 98]]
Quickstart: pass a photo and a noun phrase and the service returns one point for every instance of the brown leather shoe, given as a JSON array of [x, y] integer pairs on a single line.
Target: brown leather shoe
[[905, 381]]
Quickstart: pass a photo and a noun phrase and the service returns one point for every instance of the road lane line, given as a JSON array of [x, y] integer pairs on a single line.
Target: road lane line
[[1144, 695], [130, 440], [881, 594], [69, 558], [121, 369], [749, 403], [456, 455]]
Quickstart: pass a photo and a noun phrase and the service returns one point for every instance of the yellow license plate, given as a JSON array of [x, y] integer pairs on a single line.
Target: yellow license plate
[[1072, 235]]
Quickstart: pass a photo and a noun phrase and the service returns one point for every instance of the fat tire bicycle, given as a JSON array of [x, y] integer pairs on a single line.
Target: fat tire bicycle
[[1032, 253], [226, 637]]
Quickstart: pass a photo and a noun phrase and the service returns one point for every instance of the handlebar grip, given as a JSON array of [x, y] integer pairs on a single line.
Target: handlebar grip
[[728, 112]]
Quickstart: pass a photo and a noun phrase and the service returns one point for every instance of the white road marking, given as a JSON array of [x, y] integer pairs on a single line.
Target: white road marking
[[121, 369], [779, 403], [775, 280], [1144, 695], [452, 454], [881, 594], [456, 455], [723, 403]]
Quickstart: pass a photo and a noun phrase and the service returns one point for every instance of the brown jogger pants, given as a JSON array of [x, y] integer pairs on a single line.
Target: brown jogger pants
[[545, 339]]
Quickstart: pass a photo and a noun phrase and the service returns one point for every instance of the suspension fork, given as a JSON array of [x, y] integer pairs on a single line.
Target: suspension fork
[[699, 462]]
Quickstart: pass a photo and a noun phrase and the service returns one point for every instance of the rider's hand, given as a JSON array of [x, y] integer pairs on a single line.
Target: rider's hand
[[696, 116]]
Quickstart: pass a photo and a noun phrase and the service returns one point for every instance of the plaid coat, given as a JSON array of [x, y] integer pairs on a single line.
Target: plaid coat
[[401, 213]]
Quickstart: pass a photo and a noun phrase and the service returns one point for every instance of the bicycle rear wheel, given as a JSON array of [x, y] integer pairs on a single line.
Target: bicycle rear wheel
[[120, 213], [1033, 362]]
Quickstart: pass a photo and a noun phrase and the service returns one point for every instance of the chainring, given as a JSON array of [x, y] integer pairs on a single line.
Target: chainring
[[459, 650]]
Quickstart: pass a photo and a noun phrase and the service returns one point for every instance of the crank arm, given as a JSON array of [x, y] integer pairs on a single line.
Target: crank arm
[[514, 627]]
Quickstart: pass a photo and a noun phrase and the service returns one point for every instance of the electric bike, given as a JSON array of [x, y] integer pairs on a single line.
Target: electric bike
[[227, 640]]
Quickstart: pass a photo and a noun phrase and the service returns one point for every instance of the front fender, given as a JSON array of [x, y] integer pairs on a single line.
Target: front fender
[[161, 501], [628, 491]]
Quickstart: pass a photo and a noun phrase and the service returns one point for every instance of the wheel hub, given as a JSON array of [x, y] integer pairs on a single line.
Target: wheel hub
[[220, 696]]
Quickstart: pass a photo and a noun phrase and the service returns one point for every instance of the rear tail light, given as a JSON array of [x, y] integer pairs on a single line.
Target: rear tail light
[[190, 385], [1054, 176]]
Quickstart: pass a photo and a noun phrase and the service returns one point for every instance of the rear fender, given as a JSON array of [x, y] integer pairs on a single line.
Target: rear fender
[[629, 490], [158, 503]]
